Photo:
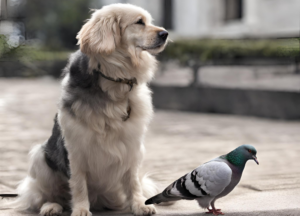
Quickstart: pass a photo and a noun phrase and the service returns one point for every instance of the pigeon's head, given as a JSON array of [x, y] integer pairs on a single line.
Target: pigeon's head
[[241, 155], [249, 152]]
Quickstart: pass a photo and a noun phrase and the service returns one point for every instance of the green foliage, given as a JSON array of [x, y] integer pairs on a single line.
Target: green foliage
[[56, 22], [212, 49], [33, 54], [29, 61], [5, 49], [29, 53], [3, 45]]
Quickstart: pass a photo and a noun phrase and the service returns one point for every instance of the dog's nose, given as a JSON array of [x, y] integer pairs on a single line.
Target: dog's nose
[[163, 35]]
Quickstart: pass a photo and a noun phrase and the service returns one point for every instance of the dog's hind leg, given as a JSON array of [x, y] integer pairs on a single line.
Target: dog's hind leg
[[51, 209], [42, 185]]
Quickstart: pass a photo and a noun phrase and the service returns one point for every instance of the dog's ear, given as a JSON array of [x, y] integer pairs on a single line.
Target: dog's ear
[[100, 34]]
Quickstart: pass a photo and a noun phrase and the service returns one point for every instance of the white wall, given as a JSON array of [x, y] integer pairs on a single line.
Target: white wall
[[154, 7], [273, 17], [205, 18], [194, 18], [262, 18]]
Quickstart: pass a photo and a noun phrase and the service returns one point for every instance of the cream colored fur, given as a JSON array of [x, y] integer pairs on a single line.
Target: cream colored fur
[[105, 153]]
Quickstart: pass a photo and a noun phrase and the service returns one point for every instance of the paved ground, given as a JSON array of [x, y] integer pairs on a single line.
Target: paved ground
[[176, 143]]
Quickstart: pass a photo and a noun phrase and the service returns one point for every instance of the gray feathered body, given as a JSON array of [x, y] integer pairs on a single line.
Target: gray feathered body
[[206, 184]]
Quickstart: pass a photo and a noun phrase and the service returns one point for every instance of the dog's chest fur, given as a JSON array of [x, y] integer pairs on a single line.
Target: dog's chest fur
[[97, 140], [103, 142]]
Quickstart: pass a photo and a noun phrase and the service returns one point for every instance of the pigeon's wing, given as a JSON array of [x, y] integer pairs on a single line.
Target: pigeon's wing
[[208, 179]]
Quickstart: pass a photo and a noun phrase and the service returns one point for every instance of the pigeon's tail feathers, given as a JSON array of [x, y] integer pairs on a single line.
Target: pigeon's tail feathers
[[156, 199], [165, 197]]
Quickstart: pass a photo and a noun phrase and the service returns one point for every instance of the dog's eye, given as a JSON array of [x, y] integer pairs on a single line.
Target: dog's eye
[[140, 22]]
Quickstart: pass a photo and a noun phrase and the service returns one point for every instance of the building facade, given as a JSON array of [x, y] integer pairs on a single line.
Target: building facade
[[223, 18]]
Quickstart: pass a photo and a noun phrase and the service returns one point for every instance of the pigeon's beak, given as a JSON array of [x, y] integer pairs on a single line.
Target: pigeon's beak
[[255, 159]]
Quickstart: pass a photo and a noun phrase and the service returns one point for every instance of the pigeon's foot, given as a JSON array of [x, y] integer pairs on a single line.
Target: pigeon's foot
[[214, 211]]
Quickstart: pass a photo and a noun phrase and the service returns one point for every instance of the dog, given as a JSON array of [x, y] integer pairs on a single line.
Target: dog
[[93, 157]]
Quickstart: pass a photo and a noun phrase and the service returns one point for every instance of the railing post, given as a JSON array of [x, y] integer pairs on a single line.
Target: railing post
[[3, 12], [195, 67], [297, 62]]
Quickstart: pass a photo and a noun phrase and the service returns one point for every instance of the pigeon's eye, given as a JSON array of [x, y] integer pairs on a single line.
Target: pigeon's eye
[[249, 151], [140, 22]]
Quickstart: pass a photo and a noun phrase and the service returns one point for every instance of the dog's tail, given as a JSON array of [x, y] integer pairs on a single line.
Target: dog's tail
[[25, 199], [148, 186], [28, 193], [6, 202]]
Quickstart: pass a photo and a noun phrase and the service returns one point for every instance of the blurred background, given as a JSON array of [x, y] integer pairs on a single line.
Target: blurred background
[[229, 50], [231, 76]]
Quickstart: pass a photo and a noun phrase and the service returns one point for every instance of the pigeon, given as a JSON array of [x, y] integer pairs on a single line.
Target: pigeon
[[210, 181]]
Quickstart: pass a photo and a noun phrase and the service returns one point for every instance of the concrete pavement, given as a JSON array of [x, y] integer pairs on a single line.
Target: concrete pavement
[[176, 143]]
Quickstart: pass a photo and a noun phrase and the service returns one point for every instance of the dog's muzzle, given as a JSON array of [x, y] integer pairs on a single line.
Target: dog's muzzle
[[163, 35]]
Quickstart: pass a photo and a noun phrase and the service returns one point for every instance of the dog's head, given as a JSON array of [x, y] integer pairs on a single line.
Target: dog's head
[[123, 27]]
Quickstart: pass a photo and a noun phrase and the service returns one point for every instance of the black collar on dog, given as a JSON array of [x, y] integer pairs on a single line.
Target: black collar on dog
[[129, 82]]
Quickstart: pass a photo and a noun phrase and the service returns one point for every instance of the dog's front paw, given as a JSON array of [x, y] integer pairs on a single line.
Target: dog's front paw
[[81, 212], [51, 209], [142, 209]]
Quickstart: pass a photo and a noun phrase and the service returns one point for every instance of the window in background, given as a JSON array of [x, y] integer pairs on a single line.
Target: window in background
[[168, 14], [233, 10]]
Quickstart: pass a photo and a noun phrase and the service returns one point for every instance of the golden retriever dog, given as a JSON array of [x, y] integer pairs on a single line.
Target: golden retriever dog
[[93, 157]]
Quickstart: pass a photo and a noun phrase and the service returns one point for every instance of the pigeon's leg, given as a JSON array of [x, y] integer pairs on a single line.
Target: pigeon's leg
[[210, 211], [213, 210]]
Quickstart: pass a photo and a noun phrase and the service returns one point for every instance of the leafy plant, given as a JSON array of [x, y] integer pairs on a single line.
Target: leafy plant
[[7, 50], [212, 50]]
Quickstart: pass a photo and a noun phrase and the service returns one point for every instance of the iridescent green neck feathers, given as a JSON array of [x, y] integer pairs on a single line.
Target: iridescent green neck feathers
[[236, 159], [240, 155]]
